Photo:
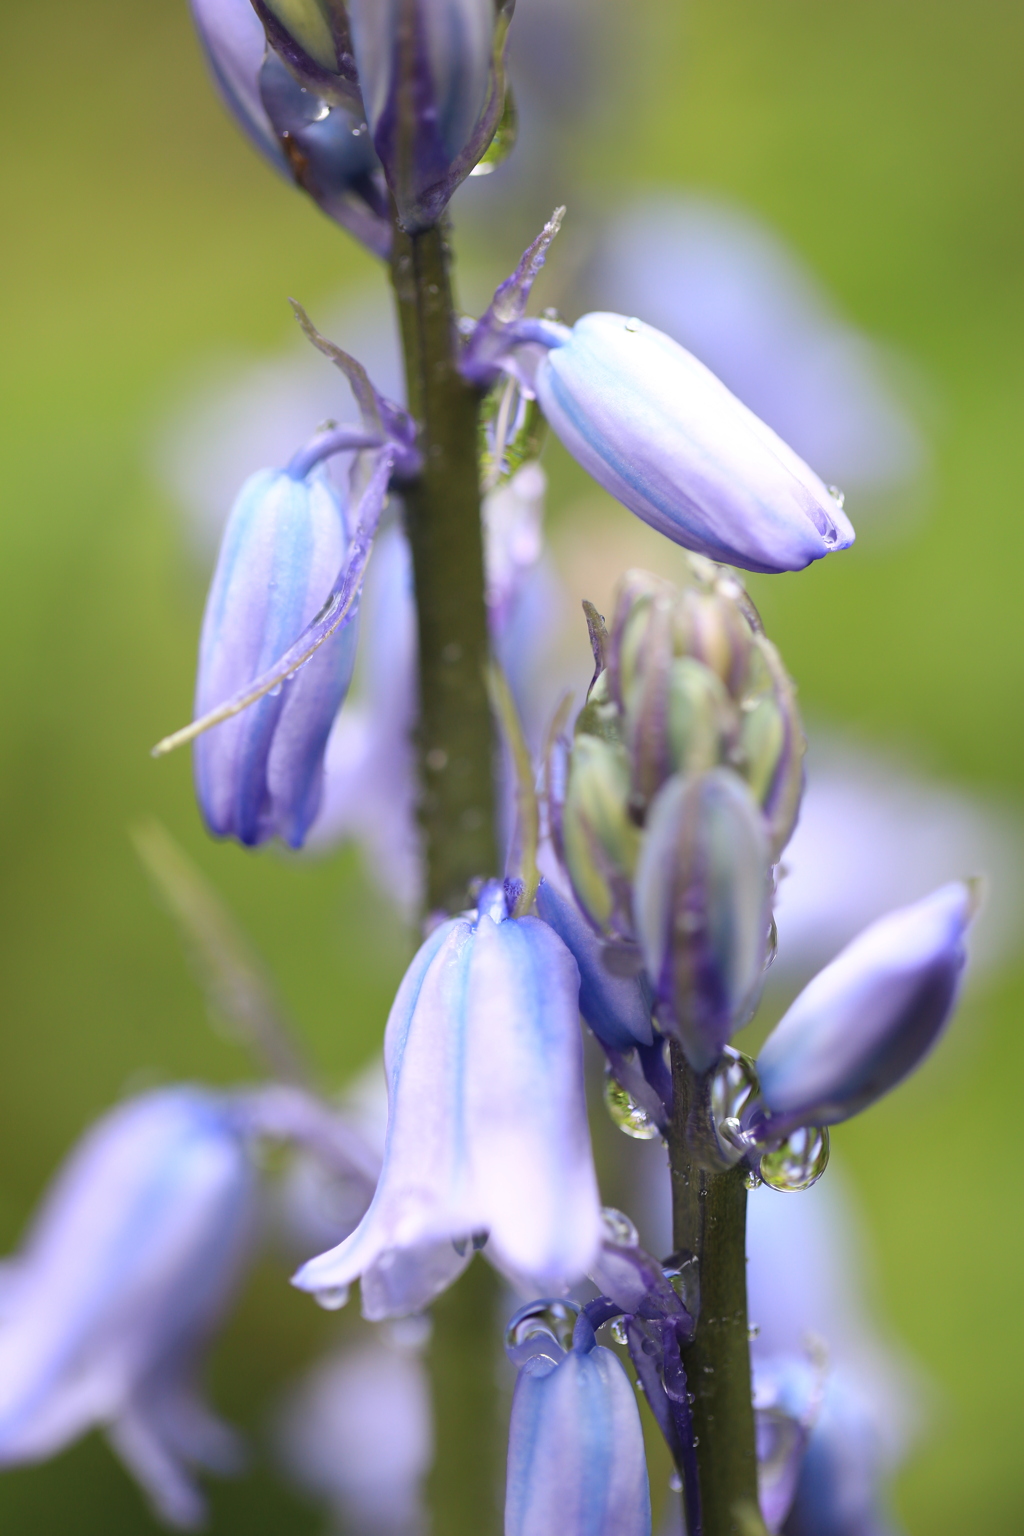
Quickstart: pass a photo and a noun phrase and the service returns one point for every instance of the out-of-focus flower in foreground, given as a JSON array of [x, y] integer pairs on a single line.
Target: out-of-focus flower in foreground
[[576, 1463], [869, 1017], [109, 1306], [432, 79], [487, 1131]]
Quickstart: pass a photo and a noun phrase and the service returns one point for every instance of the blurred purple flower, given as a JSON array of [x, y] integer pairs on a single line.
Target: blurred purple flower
[[805, 1291], [357, 1434], [487, 1130], [432, 81], [576, 1464], [235, 46], [869, 1018], [125, 1273]]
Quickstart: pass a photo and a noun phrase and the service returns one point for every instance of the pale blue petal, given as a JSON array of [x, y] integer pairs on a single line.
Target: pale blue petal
[[867, 1019], [664, 436], [576, 1462]]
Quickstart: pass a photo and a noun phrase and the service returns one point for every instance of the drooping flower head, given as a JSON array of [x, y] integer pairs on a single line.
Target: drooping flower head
[[576, 1464], [487, 1132], [125, 1272]]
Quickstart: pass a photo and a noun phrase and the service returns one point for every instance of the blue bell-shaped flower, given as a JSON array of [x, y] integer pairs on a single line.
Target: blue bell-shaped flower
[[576, 1464], [433, 86], [259, 774], [125, 1272], [487, 1126], [665, 437]]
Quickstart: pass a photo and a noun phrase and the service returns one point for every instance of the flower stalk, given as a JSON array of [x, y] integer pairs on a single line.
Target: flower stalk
[[456, 756], [442, 511], [709, 1222]]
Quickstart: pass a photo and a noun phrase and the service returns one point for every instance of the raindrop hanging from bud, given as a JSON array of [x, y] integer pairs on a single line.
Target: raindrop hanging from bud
[[333, 1298], [625, 1112], [618, 1229], [541, 1329], [799, 1162]]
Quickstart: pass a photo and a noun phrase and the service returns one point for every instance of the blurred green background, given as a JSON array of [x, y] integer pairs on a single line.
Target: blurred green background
[[886, 143]]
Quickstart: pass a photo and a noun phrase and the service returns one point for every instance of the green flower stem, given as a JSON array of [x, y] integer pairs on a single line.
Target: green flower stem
[[709, 1210], [457, 811], [442, 509]]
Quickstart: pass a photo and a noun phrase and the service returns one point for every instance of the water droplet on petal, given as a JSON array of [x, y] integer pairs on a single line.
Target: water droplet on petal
[[323, 111], [626, 1113], [675, 1482], [332, 1298], [753, 1332], [542, 1329], [684, 1278], [618, 1228], [799, 1162], [618, 1331], [633, 324], [275, 691], [837, 495]]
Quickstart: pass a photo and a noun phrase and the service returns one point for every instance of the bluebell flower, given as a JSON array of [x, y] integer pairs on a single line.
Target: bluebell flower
[[259, 774], [702, 907], [322, 145], [487, 1130], [235, 46], [433, 86], [869, 1018], [576, 1464], [658, 431], [125, 1272]]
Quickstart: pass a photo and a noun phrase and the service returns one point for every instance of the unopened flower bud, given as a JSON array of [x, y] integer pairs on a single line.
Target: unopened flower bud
[[869, 1017], [433, 86], [599, 838], [702, 911], [668, 440], [259, 774]]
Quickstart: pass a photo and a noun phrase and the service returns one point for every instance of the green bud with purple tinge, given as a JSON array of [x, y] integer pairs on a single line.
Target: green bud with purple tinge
[[599, 838], [702, 904]]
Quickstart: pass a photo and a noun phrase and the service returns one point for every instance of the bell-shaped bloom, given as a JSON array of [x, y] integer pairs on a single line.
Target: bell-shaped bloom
[[433, 87], [702, 905], [124, 1274], [869, 1018], [617, 1008], [487, 1129], [259, 774], [668, 440], [321, 145], [576, 1464]]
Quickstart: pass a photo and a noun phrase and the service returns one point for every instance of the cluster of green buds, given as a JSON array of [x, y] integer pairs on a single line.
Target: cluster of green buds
[[683, 787]]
